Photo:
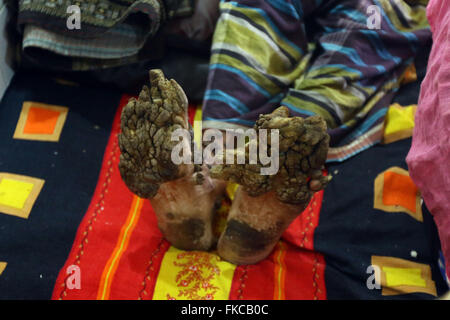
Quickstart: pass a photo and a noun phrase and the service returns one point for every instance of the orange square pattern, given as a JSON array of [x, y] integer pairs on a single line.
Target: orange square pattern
[[399, 190], [41, 121]]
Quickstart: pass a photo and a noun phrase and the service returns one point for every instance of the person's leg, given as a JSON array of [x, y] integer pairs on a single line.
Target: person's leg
[[182, 196], [264, 55], [265, 204], [362, 49], [259, 49]]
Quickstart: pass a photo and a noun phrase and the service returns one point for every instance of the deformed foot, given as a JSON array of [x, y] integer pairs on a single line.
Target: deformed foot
[[185, 211], [265, 205], [183, 203], [145, 142], [303, 147], [254, 226]]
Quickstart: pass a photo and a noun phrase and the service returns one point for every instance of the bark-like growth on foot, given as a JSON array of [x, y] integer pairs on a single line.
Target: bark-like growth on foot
[[183, 196], [145, 141], [303, 147]]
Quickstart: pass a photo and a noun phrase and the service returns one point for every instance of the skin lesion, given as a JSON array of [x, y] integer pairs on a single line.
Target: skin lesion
[[265, 205], [303, 147], [145, 140], [184, 196]]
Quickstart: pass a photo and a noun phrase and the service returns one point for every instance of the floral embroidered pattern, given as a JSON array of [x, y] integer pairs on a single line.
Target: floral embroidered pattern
[[194, 280]]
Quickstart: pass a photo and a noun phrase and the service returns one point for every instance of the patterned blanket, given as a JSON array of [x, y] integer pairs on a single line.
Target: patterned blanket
[[70, 229]]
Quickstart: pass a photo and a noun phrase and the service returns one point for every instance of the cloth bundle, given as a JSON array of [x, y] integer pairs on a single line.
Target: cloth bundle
[[112, 32]]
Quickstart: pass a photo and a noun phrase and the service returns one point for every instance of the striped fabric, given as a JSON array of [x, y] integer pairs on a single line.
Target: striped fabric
[[316, 58], [122, 41], [98, 16]]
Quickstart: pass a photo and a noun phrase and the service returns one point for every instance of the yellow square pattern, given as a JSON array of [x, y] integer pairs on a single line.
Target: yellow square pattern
[[18, 194], [404, 277], [399, 123], [14, 193], [399, 118], [401, 276]]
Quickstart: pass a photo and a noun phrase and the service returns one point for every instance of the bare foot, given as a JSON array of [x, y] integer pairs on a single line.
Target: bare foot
[[183, 196], [185, 212], [265, 205]]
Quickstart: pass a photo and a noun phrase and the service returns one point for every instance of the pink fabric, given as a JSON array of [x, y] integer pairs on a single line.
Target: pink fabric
[[429, 157]]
